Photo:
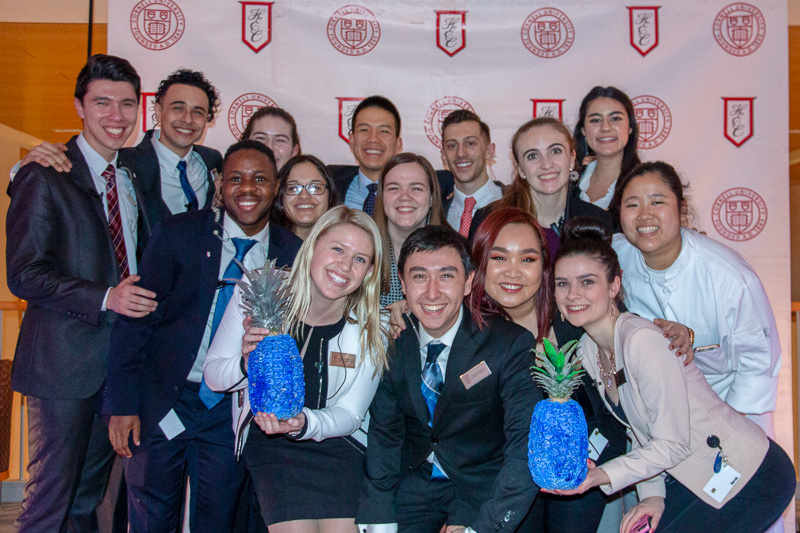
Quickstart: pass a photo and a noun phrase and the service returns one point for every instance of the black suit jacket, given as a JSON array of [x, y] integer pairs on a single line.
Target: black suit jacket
[[343, 176], [151, 357], [480, 435], [143, 161], [60, 258]]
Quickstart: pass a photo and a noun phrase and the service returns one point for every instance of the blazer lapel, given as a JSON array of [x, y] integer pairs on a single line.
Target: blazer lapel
[[210, 250], [407, 346], [461, 354]]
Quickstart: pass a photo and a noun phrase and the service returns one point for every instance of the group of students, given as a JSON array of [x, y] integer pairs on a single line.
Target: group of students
[[416, 417]]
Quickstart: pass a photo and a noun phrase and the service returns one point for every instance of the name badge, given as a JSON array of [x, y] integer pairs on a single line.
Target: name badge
[[344, 360], [722, 482], [171, 425], [475, 375], [597, 443]]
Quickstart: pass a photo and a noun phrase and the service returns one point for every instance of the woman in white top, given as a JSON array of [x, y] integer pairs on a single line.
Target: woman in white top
[[678, 274], [607, 134], [307, 479]]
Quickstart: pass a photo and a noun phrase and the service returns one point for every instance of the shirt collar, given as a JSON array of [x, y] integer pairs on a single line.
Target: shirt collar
[[97, 163], [363, 181], [232, 230], [586, 177], [167, 157], [482, 196], [447, 338]]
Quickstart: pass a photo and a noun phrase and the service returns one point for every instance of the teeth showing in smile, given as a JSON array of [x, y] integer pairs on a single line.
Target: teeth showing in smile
[[432, 308], [305, 206], [548, 177], [374, 152], [576, 308], [406, 209], [246, 203], [115, 131], [183, 131], [464, 164], [336, 278], [647, 229], [607, 139], [511, 286]]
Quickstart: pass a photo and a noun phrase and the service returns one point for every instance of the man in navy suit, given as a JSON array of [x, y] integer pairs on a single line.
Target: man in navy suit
[[449, 423], [72, 254], [155, 392]]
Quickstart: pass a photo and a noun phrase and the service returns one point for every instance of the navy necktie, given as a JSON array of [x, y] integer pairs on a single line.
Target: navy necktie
[[191, 197], [432, 382], [369, 203], [209, 397]]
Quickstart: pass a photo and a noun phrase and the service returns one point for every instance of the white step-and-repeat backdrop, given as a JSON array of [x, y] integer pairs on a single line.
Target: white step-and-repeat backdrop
[[708, 80]]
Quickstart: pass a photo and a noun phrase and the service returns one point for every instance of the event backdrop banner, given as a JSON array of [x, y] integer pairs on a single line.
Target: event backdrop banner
[[708, 80]]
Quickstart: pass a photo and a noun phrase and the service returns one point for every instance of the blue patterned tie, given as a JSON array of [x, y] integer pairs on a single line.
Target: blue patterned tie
[[191, 197], [432, 382], [369, 203], [209, 397]]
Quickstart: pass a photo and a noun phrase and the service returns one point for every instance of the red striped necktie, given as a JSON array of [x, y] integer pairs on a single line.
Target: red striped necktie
[[115, 222], [466, 216]]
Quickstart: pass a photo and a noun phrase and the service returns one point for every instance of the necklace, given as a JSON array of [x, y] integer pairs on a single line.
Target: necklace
[[608, 377]]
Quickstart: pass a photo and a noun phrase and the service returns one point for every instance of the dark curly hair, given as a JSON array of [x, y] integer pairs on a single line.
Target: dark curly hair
[[192, 78]]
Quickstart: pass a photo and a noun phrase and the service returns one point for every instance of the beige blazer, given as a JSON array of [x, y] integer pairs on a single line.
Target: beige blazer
[[671, 410]]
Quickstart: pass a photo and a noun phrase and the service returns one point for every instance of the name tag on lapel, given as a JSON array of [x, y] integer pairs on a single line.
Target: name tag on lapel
[[721, 484], [475, 375], [344, 360]]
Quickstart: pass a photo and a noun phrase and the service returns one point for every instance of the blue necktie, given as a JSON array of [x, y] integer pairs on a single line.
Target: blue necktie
[[369, 203], [432, 382], [191, 197], [209, 397]]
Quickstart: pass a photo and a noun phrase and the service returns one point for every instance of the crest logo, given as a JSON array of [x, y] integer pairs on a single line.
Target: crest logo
[[654, 120], [548, 33], [437, 113], [739, 214], [644, 28], [148, 111], [547, 108], [347, 106], [451, 31], [738, 119], [740, 29], [245, 107], [256, 24], [354, 30], [157, 24]]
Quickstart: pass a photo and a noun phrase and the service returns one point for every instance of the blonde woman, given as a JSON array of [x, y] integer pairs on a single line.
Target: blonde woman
[[307, 470]]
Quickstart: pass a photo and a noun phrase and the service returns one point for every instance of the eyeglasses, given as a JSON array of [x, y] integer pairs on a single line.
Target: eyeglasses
[[313, 189]]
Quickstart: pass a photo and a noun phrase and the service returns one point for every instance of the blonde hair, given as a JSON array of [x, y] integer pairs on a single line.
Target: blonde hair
[[435, 213], [363, 302]]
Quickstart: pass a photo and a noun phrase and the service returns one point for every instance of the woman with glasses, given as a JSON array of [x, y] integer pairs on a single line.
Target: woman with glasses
[[305, 193]]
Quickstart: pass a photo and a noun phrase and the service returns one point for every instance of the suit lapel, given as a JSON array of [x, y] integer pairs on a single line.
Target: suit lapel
[[150, 175], [461, 355], [211, 251], [407, 346]]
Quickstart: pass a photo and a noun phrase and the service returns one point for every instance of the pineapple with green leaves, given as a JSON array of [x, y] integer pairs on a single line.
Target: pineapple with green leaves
[[275, 369], [558, 442]]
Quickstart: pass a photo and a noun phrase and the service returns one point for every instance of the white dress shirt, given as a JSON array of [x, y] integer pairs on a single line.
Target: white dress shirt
[[254, 259], [171, 190], [583, 185], [487, 194], [357, 192]]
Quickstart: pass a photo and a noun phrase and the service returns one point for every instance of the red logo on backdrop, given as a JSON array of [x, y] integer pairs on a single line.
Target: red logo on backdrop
[[347, 106], [644, 28], [738, 119], [354, 30], [245, 107], [547, 108], [148, 111], [451, 31], [740, 29], [654, 120], [256, 24], [437, 113], [548, 33], [739, 214], [157, 24]]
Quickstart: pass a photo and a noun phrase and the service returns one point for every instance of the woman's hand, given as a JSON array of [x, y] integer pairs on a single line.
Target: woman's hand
[[594, 478], [252, 336], [652, 507], [270, 424], [396, 322], [679, 337], [455, 529]]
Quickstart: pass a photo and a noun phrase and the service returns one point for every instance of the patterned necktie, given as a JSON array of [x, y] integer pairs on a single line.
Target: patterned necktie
[[432, 382], [369, 203], [466, 216], [191, 197], [115, 222], [209, 397]]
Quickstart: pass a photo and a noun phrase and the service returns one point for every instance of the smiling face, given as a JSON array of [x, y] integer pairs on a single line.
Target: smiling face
[[583, 293], [465, 151], [651, 220], [109, 110], [248, 188], [435, 285], [514, 272], [276, 133], [374, 140], [305, 209], [544, 157], [343, 256], [606, 127], [407, 196], [183, 115]]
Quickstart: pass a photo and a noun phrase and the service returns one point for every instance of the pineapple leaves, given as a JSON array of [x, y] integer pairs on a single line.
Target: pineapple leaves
[[265, 296], [558, 371]]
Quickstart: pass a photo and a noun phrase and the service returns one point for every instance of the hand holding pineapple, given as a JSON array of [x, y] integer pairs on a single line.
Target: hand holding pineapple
[[270, 424]]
